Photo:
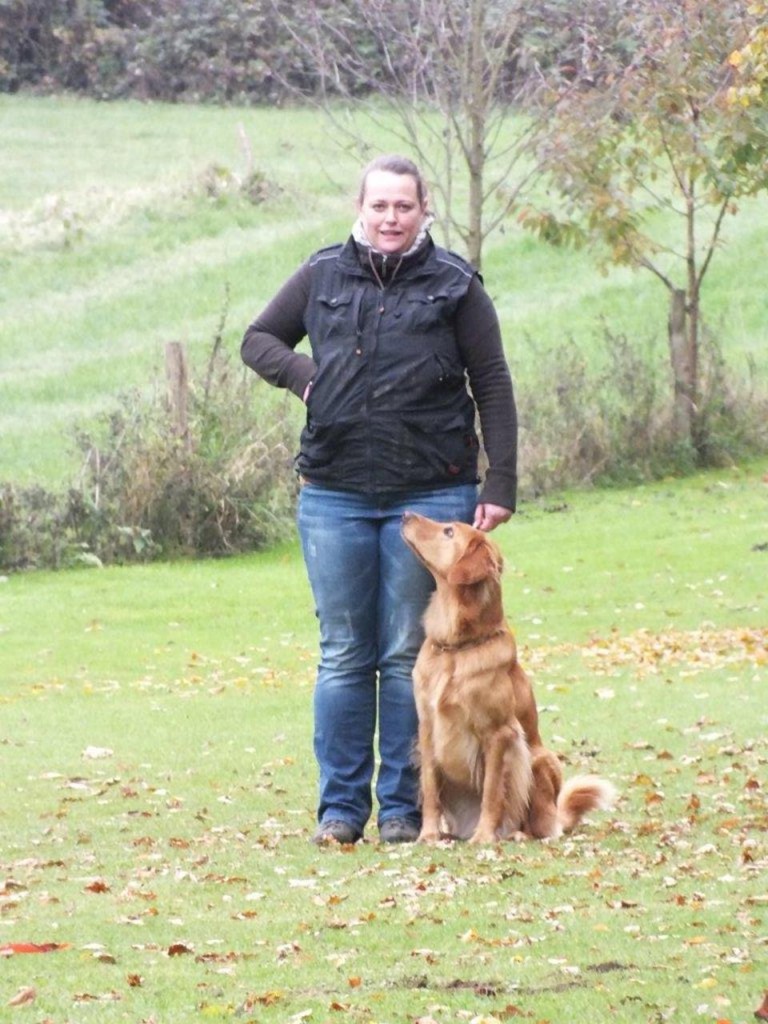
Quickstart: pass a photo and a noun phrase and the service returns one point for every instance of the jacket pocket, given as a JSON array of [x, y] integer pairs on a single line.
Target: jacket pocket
[[447, 444], [322, 444], [429, 309], [335, 316]]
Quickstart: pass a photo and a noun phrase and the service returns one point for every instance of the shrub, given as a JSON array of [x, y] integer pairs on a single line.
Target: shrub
[[153, 486], [222, 51], [32, 528], [733, 418], [612, 422], [220, 482]]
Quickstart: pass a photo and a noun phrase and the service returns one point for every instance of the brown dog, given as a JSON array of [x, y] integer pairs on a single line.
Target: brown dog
[[485, 774]]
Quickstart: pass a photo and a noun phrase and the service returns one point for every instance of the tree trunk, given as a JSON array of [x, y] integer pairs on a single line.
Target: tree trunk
[[682, 353]]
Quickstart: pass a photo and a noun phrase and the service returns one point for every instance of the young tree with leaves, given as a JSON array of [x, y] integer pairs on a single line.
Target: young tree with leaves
[[750, 62], [662, 135]]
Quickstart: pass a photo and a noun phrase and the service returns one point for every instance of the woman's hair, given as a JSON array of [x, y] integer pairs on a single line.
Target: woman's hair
[[395, 165]]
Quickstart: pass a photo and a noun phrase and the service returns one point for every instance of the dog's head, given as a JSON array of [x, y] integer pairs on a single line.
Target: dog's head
[[454, 552]]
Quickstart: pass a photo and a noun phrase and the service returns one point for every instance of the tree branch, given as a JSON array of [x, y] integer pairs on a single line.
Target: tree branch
[[713, 240]]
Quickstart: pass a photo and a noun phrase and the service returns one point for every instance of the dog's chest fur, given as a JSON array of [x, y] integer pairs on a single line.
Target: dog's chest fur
[[464, 695]]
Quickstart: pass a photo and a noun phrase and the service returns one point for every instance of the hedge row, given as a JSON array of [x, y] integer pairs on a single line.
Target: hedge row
[[254, 51]]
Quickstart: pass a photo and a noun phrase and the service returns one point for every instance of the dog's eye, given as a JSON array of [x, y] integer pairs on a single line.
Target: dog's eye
[[448, 531]]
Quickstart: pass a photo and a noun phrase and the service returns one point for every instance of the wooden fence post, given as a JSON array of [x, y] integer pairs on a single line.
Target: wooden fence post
[[177, 378]]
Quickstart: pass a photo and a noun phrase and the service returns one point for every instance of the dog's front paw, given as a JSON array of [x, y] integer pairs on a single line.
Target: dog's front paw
[[429, 835], [483, 835]]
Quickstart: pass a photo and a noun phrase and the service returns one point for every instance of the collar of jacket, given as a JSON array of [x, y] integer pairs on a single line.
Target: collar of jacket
[[356, 259]]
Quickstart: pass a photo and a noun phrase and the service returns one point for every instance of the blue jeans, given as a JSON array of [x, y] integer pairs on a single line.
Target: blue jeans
[[370, 593]]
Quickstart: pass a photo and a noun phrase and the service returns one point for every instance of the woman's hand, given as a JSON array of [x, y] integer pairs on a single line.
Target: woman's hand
[[488, 517]]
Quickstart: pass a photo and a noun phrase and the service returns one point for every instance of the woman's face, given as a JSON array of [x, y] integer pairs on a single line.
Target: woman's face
[[390, 211]]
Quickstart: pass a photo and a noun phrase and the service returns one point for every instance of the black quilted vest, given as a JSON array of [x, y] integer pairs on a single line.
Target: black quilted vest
[[389, 410]]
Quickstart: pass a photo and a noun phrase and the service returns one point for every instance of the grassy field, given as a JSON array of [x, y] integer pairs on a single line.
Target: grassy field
[[118, 234], [157, 791]]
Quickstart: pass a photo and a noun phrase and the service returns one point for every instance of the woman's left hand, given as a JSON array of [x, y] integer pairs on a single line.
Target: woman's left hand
[[488, 517]]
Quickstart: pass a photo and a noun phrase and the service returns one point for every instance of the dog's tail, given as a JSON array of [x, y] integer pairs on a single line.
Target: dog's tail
[[579, 796]]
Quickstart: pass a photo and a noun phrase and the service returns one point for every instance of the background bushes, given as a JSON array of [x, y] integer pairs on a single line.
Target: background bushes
[[219, 480], [153, 487], [253, 51], [233, 51], [606, 417]]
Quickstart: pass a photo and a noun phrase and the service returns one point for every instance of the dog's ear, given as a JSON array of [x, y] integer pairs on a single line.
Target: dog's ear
[[480, 561]]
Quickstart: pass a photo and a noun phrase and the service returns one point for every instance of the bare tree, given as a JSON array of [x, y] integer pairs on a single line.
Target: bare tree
[[441, 77]]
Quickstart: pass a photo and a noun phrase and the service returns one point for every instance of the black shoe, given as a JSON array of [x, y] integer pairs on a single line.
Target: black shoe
[[398, 830], [335, 832]]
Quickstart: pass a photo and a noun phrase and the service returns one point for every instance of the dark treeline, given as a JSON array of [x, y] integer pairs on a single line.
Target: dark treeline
[[253, 51]]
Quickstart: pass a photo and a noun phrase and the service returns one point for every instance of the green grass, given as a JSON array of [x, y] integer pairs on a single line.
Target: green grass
[[157, 790], [110, 247]]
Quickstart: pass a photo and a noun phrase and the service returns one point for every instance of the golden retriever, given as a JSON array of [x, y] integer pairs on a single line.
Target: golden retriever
[[485, 773]]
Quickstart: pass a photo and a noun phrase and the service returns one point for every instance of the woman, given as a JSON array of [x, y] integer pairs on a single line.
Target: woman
[[405, 348]]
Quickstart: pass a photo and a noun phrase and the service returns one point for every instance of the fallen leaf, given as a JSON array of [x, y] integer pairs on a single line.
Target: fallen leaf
[[217, 1009], [762, 1011], [179, 949], [31, 947], [97, 885], [96, 753], [265, 999], [26, 994], [89, 997]]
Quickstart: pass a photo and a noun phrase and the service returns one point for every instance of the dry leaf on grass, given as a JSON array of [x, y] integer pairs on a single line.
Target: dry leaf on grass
[[26, 994], [12, 948]]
